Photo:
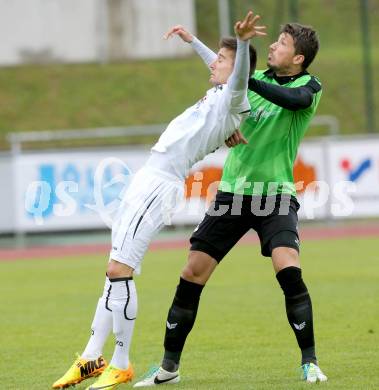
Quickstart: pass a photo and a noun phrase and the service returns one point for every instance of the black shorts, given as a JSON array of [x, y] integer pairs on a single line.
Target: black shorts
[[230, 216]]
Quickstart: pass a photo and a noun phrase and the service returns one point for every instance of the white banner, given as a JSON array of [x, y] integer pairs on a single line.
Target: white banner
[[78, 190], [310, 176], [354, 173], [6, 195], [81, 189]]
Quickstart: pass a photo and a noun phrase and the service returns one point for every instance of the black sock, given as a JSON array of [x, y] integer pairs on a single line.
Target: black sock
[[299, 311], [180, 320]]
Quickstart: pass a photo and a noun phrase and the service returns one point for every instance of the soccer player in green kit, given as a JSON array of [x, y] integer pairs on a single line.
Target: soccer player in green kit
[[257, 191]]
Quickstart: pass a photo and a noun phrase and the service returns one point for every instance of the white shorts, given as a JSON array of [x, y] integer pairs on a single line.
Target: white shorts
[[147, 206]]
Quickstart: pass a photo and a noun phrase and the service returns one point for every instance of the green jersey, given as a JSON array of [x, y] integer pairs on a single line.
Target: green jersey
[[274, 131]]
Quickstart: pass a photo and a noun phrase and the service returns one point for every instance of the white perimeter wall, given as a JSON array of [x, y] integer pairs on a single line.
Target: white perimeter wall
[[145, 22], [48, 30], [38, 31]]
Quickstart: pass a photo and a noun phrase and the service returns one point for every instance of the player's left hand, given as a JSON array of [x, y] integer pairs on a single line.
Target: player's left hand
[[235, 139], [247, 28]]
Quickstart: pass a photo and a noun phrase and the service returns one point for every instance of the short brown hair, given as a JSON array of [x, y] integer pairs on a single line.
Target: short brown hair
[[231, 44], [305, 40]]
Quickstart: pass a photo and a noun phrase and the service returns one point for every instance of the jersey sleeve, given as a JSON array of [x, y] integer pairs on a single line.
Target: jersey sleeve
[[207, 55], [294, 99], [238, 81]]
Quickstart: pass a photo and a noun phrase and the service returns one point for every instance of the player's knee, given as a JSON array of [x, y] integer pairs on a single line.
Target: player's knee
[[116, 270], [190, 274], [284, 257], [195, 274], [199, 267], [291, 281]]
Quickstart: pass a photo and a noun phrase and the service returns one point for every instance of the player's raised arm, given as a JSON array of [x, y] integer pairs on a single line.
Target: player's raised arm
[[244, 30], [207, 55]]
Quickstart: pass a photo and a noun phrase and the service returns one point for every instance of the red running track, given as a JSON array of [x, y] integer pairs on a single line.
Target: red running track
[[307, 233]]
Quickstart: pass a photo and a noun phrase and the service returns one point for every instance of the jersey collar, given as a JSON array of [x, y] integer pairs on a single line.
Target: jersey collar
[[284, 79]]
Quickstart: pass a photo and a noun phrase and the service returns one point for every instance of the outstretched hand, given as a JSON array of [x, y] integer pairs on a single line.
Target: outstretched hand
[[181, 32], [247, 28]]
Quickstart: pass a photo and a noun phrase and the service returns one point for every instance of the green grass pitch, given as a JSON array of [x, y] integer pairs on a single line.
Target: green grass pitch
[[241, 339]]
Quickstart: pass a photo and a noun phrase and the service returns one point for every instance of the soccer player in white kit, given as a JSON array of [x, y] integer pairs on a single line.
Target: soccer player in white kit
[[153, 193]]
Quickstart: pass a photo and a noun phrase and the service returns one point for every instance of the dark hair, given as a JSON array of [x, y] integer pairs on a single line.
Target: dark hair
[[305, 40], [231, 43]]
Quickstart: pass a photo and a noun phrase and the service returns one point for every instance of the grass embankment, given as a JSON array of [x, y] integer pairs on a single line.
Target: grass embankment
[[150, 92]]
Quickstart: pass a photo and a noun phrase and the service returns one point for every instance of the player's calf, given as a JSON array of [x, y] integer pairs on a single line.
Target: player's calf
[[180, 320], [299, 311]]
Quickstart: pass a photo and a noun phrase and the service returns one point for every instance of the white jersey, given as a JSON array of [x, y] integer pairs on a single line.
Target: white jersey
[[155, 190], [204, 127]]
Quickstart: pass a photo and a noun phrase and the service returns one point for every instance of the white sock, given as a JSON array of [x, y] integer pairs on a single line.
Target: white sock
[[101, 325], [123, 302]]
